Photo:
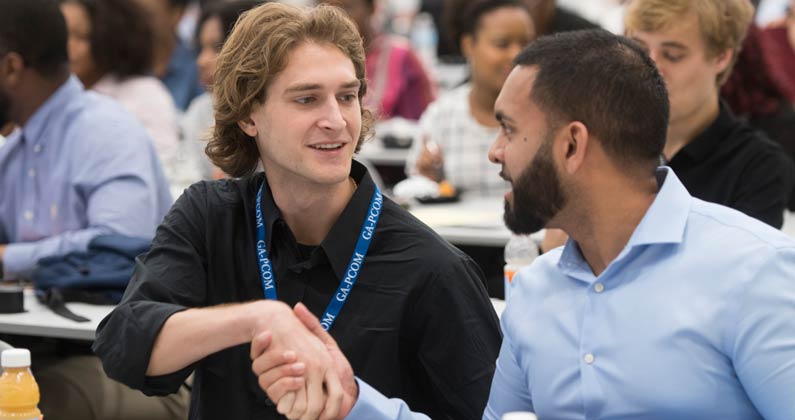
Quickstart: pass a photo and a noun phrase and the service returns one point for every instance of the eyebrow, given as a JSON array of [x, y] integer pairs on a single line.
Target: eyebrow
[[305, 87], [667, 44], [674, 44]]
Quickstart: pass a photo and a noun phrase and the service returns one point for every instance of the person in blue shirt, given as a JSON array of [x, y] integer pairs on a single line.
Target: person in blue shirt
[[80, 166], [659, 306]]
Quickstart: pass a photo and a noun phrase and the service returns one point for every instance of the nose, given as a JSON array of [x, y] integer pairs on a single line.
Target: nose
[[655, 55], [497, 151], [515, 49], [332, 118]]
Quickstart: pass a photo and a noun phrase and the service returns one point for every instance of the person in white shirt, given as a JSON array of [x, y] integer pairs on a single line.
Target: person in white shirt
[[111, 52]]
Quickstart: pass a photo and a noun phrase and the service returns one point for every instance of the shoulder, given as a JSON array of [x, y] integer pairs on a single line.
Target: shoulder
[[402, 233], [219, 194], [738, 236], [98, 121]]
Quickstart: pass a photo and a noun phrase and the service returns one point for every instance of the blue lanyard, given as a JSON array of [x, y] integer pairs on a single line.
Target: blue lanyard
[[351, 273]]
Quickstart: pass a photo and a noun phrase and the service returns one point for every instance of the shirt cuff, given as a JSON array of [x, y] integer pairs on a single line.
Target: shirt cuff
[[15, 260], [373, 405]]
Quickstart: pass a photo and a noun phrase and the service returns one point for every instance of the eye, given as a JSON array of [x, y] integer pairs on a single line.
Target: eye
[[674, 58], [305, 100], [348, 97], [507, 130]]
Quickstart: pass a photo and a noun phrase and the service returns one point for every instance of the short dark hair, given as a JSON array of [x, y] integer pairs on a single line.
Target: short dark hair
[[36, 30], [228, 12], [462, 17], [606, 82], [122, 38]]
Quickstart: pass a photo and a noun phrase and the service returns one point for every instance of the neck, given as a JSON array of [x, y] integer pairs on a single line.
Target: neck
[[683, 131], [310, 211], [481, 105], [34, 98], [608, 219]]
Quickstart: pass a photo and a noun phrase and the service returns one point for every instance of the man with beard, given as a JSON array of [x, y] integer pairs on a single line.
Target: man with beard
[[80, 166], [660, 305]]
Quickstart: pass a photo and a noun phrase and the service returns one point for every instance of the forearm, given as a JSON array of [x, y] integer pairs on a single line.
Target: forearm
[[191, 335], [22, 256]]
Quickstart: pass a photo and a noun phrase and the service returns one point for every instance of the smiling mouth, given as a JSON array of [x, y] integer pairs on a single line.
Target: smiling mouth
[[331, 146]]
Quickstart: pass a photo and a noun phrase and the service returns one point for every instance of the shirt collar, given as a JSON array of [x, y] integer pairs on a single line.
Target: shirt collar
[[34, 128], [664, 223], [705, 144], [341, 239]]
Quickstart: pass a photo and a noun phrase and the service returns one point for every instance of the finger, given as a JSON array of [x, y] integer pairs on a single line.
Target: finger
[[271, 360], [313, 325], [299, 407], [315, 398], [270, 377], [334, 395], [286, 403], [260, 343], [284, 386]]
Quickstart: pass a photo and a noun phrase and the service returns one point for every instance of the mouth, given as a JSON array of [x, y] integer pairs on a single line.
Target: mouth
[[327, 146]]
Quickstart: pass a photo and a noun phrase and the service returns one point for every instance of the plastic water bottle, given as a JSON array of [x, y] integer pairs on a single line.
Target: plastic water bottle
[[19, 392], [520, 251], [424, 39]]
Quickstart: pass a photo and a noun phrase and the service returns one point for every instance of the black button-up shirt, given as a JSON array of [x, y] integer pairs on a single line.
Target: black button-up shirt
[[418, 324], [732, 164]]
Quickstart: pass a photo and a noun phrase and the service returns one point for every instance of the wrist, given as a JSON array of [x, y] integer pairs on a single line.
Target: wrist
[[260, 315]]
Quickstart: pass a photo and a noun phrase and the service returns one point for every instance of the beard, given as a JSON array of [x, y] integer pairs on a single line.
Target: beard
[[537, 194], [5, 106]]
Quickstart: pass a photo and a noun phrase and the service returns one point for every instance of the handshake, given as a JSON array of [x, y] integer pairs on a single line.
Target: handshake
[[301, 368]]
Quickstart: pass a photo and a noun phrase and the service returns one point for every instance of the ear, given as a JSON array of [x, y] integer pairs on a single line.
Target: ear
[[467, 43], [723, 60], [248, 126], [11, 68], [572, 142]]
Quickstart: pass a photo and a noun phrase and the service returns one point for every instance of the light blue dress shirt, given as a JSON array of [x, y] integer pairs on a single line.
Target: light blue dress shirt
[[695, 319], [81, 166]]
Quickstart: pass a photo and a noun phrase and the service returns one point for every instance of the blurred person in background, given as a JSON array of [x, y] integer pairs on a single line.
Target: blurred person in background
[[80, 166], [174, 60], [550, 18], [761, 89], [119, 64], [214, 25], [718, 158], [398, 83], [458, 128]]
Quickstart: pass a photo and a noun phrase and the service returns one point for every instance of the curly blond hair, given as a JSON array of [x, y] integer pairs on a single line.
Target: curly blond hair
[[256, 51]]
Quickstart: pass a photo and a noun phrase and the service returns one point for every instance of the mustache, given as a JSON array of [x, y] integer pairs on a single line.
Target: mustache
[[505, 176]]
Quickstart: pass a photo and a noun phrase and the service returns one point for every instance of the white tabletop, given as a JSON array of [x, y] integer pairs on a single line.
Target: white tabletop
[[40, 321], [475, 221]]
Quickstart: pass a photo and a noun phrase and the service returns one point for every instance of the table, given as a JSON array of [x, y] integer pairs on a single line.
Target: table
[[40, 321], [471, 221]]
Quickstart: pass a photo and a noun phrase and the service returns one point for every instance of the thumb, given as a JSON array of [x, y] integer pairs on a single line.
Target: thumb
[[313, 325]]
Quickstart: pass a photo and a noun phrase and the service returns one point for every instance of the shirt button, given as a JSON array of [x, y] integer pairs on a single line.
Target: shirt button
[[32, 173], [599, 287], [37, 148], [588, 358], [28, 215]]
